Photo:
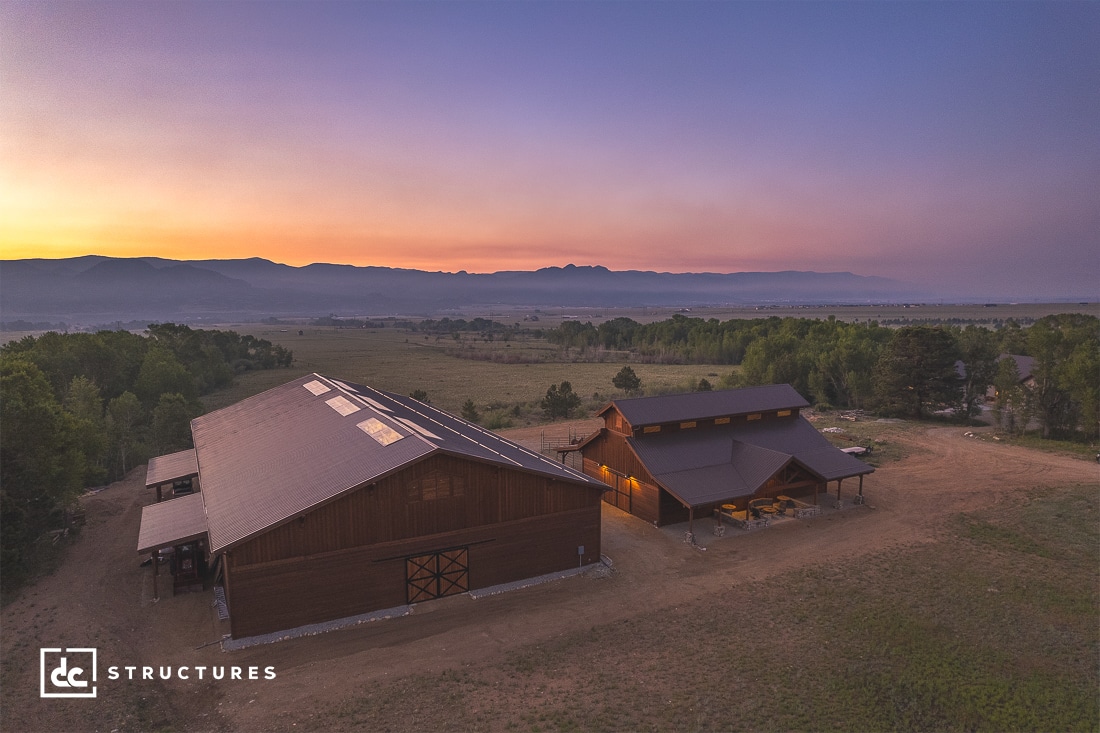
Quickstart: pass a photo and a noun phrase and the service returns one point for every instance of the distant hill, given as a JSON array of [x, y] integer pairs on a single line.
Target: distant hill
[[95, 289]]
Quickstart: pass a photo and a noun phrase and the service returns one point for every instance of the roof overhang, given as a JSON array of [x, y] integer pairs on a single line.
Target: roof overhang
[[172, 467], [172, 522]]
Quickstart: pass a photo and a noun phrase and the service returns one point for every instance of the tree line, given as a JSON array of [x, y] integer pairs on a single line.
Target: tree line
[[80, 409], [909, 371]]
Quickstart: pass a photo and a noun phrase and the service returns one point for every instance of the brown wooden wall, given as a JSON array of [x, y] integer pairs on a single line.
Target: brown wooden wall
[[283, 594], [383, 512], [348, 557], [610, 450]]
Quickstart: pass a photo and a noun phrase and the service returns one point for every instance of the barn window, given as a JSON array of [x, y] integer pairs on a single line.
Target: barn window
[[651, 429], [783, 413], [721, 421], [687, 425], [437, 486], [754, 416], [619, 423]]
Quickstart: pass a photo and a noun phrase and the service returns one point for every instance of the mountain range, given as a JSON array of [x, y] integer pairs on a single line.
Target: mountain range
[[96, 289]]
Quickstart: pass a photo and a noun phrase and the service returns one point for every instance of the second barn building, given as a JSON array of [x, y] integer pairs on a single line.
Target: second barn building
[[674, 457]]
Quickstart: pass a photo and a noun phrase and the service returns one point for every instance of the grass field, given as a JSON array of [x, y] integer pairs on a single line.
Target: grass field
[[916, 312], [401, 361], [990, 628]]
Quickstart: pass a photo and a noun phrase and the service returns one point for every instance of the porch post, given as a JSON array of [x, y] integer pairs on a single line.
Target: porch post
[[691, 520], [156, 562], [861, 486], [839, 481], [158, 493]]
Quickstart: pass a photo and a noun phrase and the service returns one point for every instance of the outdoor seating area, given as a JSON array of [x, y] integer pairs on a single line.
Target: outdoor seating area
[[764, 510]]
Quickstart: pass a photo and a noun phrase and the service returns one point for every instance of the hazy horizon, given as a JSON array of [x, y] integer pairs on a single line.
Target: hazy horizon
[[951, 146]]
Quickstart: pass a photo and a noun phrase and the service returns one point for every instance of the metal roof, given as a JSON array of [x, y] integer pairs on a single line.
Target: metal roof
[[277, 455], [707, 405], [716, 464], [171, 522], [172, 467]]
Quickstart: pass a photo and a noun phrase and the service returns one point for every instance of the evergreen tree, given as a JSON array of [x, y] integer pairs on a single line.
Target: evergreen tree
[[469, 411], [917, 372], [627, 380], [560, 401]]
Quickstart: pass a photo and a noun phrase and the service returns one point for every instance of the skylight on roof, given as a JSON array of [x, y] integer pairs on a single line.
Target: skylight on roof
[[342, 405], [419, 428], [316, 387], [382, 433]]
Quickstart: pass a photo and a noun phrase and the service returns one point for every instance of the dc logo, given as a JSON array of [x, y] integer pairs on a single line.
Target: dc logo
[[67, 672]]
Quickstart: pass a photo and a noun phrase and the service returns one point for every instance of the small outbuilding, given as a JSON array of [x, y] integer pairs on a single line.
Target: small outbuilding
[[671, 458], [321, 499]]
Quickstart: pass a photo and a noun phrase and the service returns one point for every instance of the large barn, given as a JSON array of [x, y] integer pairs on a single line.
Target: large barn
[[671, 458], [320, 500]]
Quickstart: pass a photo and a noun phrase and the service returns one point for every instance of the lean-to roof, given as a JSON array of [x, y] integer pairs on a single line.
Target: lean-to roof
[[171, 522], [172, 467]]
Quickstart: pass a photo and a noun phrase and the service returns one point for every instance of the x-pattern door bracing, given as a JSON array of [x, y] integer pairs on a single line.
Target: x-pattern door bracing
[[437, 574]]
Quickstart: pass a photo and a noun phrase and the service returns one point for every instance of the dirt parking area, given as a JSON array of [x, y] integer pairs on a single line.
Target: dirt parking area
[[100, 597]]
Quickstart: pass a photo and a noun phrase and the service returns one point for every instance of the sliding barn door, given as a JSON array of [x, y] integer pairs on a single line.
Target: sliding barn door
[[437, 574]]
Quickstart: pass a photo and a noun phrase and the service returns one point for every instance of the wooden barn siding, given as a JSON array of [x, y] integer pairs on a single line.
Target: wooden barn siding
[[765, 416], [293, 592], [645, 496], [382, 513], [611, 449]]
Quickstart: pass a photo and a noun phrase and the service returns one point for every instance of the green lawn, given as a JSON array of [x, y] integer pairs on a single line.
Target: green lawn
[[992, 628]]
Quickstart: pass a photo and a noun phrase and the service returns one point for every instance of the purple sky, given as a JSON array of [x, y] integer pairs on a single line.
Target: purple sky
[[949, 143]]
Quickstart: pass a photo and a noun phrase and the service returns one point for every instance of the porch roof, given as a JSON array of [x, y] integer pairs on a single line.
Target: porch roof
[[172, 522], [710, 466], [172, 467]]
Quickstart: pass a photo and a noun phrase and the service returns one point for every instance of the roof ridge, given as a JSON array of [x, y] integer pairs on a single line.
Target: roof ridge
[[359, 398]]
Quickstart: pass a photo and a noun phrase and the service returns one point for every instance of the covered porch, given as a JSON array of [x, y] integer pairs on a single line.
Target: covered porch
[[174, 533], [793, 492], [176, 473], [715, 529]]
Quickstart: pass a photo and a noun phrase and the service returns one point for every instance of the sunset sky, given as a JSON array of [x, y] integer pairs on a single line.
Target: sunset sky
[[938, 143]]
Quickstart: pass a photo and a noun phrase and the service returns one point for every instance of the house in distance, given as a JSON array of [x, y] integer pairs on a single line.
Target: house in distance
[[671, 458], [320, 500]]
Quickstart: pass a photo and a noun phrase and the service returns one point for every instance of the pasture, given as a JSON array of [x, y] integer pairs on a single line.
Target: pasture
[[398, 360]]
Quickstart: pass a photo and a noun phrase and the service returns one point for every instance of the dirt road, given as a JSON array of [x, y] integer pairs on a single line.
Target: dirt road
[[101, 598]]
